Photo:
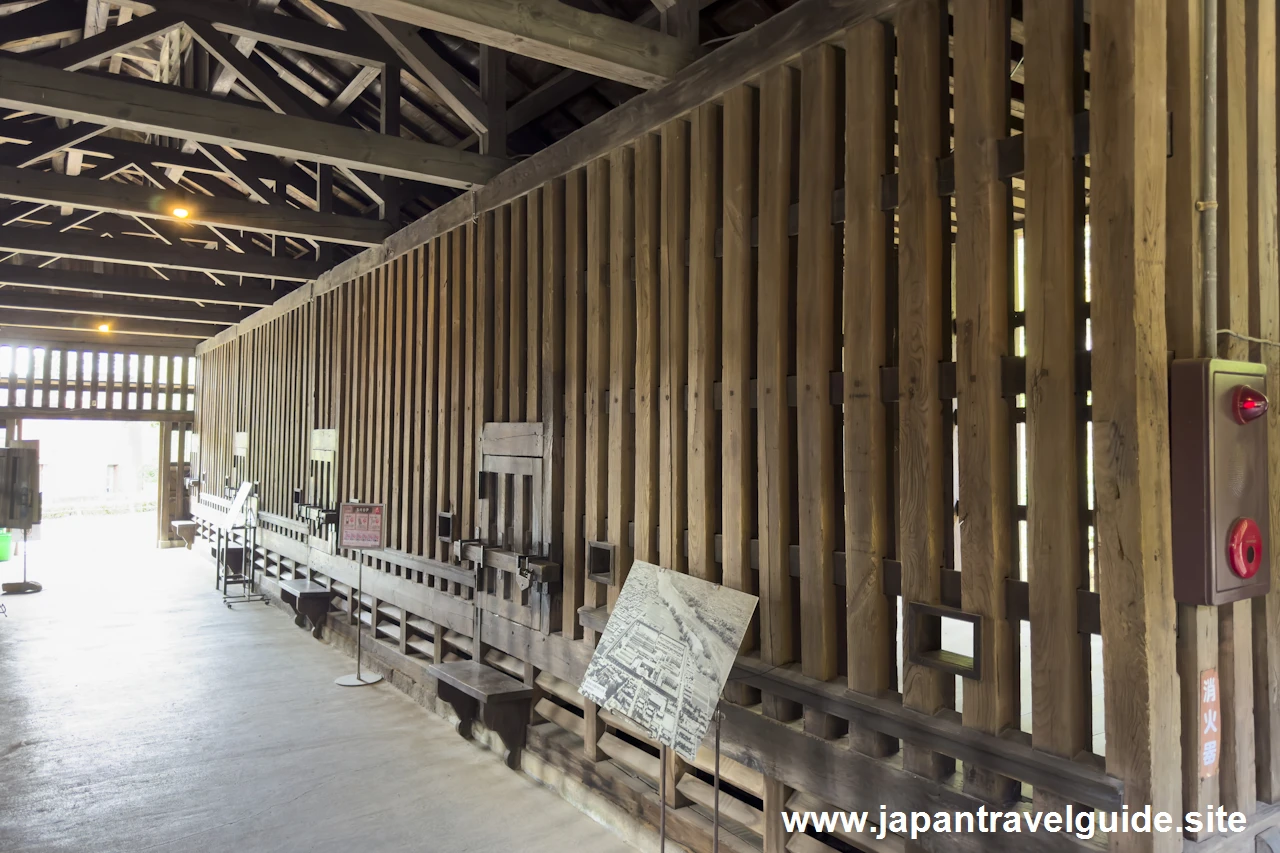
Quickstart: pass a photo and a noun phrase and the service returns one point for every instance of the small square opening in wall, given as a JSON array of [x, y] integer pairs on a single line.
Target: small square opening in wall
[[939, 637], [444, 526], [602, 563]]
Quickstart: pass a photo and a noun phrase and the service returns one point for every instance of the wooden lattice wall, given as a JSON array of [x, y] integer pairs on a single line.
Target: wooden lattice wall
[[862, 335]]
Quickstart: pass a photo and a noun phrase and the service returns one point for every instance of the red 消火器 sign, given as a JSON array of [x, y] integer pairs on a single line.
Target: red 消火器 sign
[[360, 526]]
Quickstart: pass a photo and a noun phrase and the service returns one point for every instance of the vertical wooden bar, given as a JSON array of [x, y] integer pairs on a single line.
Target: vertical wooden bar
[[444, 298], [815, 359], [517, 310], [704, 349], [484, 295], [738, 291], [1237, 780], [471, 429], [597, 416], [597, 387], [867, 450], [431, 390], [575, 377], [1264, 323], [647, 197], [1128, 131], [672, 447], [533, 311], [457, 283], [982, 323], [924, 520], [1060, 701], [777, 113], [501, 312], [398, 360], [553, 372], [622, 363]]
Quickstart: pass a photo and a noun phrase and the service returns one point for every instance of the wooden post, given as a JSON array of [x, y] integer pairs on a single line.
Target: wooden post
[[622, 363], [674, 330], [1060, 696], [868, 235], [1130, 402], [923, 337], [575, 373]]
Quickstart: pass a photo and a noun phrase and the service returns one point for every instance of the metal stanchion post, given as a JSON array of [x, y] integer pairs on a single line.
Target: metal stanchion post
[[358, 680], [662, 804], [715, 820]]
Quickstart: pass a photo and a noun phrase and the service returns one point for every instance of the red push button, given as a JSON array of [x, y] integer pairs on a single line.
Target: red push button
[[1248, 404], [1244, 547]]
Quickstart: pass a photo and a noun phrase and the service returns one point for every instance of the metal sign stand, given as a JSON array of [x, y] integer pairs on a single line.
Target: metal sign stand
[[358, 679], [349, 511]]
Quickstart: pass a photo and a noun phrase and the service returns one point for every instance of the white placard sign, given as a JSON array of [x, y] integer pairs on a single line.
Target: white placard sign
[[666, 653], [235, 515], [360, 526]]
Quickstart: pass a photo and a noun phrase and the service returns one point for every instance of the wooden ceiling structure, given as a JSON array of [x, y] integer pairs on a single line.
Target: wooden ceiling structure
[[189, 161]]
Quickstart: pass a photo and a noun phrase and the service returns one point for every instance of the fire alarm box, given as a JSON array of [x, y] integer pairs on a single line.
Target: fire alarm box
[[1221, 515]]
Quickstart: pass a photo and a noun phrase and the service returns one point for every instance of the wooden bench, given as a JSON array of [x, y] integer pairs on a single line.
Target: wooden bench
[[501, 703], [309, 600], [187, 530]]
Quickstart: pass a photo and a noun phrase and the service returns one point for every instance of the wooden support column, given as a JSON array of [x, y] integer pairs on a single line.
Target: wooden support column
[[553, 370], [738, 291], [817, 356], [1128, 131], [622, 363], [1059, 690], [648, 183], [597, 353], [674, 301], [774, 359], [924, 339], [1264, 303], [493, 89], [867, 451], [1237, 774], [982, 324], [704, 350], [575, 377]]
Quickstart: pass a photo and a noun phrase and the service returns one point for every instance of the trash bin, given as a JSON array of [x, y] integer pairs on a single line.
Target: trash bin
[[6, 546]]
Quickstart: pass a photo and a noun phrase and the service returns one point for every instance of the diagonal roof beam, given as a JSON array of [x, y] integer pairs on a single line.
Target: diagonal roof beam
[[431, 68], [48, 23], [49, 144], [364, 77], [225, 77], [128, 285], [108, 42], [84, 97], [264, 86], [548, 30], [151, 253]]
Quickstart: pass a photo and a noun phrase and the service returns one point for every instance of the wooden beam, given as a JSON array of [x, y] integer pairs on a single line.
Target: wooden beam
[[493, 87], [81, 97], [364, 77], [226, 77], [548, 30], [75, 340], [47, 23], [117, 307], [90, 324], [265, 87], [49, 144], [127, 285], [107, 43], [431, 68], [132, 200], [280, 30], [44, 241], [1131, 409]]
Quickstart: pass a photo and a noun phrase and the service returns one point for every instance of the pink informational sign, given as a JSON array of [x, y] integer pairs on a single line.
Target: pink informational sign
[[360, 526]]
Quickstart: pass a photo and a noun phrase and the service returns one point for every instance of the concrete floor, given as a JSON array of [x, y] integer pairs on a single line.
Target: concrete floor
[[139, 714]]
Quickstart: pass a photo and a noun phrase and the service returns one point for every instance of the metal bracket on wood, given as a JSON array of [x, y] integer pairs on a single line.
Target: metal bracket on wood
[[444, 526]]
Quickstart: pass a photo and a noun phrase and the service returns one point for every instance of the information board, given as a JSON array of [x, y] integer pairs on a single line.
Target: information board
[[360, 526]]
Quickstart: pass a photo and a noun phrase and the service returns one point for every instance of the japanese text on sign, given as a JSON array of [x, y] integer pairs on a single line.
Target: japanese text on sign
[[1210, 723], [360, 526]]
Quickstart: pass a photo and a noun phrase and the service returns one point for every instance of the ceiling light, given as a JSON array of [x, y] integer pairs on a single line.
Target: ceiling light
[[104, 328], [181, 212]]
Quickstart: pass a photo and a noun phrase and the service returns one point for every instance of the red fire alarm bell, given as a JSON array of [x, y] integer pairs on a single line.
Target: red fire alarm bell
[[1218, 435]]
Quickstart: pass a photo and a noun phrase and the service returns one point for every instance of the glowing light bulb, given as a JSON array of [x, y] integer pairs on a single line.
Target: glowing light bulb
[[104, 328], [181, 212]]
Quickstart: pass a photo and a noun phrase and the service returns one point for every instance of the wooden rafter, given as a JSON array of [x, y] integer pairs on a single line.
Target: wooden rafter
[[171, 112], [548, 30], [129, 285], [150, 253], [87, 323], [118, 307]]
